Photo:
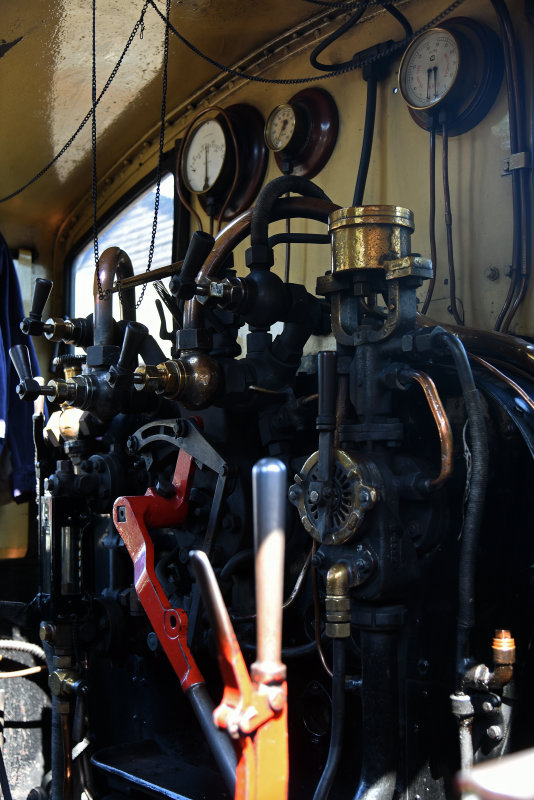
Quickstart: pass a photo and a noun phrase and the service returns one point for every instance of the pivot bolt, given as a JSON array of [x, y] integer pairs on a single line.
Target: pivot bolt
[[314, 496], [494, 732]]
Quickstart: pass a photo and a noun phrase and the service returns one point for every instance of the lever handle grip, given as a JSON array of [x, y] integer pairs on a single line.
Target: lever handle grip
[[269, 486], [131, 345], [41, 293], [20, 357], [327, 388]]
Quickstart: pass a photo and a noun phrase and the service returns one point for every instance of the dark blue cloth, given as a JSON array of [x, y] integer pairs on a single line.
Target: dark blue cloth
[[16, 429]]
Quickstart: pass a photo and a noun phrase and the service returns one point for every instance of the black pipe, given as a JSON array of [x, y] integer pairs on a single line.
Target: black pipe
[[367, 144], [261, 213], [380, 735], [475, 503], [57, 761], [338, 717]]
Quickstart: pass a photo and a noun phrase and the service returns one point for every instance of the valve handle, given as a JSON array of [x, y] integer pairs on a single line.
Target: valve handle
[[269, 489], [41, 293], [327, 387], [20, 356], [183, 285], [33, 324], [131, 345]]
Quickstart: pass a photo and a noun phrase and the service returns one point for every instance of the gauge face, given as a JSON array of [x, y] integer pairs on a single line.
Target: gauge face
[[429, 68], [280, 127], [204, 156]]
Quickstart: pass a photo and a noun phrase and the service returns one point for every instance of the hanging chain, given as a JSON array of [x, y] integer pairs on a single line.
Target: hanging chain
[[139, 24], [161, 145], [101, 294]]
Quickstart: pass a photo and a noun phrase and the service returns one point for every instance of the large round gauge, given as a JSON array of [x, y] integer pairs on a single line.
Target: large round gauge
[[452, 74], [429, 68], [223, 159], [204, 156], [302, 133]]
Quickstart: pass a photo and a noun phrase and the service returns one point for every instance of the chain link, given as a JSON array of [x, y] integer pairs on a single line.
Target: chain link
[[310, 79], [89, 114], [161, 145]]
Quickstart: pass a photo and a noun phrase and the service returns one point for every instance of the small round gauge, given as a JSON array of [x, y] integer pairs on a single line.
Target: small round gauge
[[280, 127], [302, 133], [452, 74], [204, 156], [429, 68]]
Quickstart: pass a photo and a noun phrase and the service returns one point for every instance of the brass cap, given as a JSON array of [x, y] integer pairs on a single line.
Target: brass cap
[[503, 647]]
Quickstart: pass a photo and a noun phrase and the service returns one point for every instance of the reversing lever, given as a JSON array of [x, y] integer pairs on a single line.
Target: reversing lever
[[33, 324]]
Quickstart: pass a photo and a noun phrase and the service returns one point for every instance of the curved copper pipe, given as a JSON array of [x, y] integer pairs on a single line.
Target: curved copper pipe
[[113, 262], [441, 420], [497, 372], [239, 229]]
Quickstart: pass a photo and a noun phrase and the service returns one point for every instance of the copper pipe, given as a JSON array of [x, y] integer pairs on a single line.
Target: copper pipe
[[513, 385], [239, 229], [67, 756], [21, 673], [113, 262], [441, 420]]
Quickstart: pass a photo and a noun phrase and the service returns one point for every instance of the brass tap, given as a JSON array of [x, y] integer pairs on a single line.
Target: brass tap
[[195, 379], [338, 601]]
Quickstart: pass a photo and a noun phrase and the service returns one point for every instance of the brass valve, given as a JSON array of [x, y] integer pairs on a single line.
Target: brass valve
[[337, 602], [195, 379]]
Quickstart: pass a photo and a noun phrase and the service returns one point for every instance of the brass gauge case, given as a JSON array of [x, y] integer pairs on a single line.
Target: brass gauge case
[[364, 237]]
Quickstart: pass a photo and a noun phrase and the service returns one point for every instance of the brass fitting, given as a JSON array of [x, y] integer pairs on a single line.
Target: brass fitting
[[195, 379], [367, 236], [64, 682], [337, 601], [503, 647]]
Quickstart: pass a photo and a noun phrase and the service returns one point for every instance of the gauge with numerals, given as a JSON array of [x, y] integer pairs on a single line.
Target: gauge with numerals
[[302, 133], [452, 73], [204, 156], [223, 159]]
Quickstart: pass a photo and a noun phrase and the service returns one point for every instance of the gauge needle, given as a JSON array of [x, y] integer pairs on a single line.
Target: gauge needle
[[206, 181], [429, 70]]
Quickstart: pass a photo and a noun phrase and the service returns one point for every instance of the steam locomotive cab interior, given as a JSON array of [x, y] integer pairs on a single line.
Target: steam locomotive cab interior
[[268, 400]]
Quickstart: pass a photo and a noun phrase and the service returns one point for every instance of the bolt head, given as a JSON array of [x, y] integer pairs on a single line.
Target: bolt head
[[313, 496], [494, 732]]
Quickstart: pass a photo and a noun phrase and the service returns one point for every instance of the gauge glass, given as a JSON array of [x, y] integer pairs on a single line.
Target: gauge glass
[[280, 127], [429, 68], [204, 156]]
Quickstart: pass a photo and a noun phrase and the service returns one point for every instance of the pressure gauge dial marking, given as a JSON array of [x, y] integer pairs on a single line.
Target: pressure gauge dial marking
[[204, 156], [302, 133], [280, 127], [452, 75], [429, 69], [223, 159]]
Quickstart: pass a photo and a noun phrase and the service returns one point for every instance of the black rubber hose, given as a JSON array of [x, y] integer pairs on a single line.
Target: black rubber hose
[[338, 718], [367, 144], [475, 503], [332, 38], [273, 191]]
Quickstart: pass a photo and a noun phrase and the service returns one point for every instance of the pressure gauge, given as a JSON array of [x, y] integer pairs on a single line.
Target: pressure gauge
[[429, 68], [452, 74], [204, 156], [223, 159], [280, 128], [302, 133]]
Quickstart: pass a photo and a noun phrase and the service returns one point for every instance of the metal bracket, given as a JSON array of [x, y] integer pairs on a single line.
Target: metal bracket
[[516, 161]]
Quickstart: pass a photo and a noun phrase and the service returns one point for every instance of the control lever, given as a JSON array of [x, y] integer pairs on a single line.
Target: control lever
[[325, 425], [183, 285], [254, 712], [122, 373], [33, 324], [28, 388]]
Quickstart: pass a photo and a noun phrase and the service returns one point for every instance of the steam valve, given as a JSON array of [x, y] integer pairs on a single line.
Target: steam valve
[[28, 388], [33, 324]]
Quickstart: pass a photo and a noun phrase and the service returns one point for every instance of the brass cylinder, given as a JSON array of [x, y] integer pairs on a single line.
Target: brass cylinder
[[363, 237]]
